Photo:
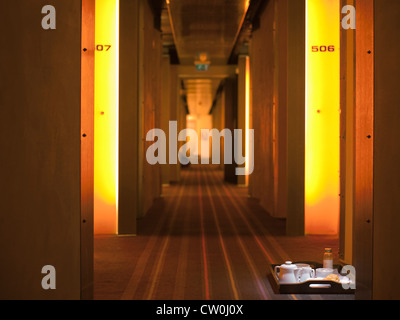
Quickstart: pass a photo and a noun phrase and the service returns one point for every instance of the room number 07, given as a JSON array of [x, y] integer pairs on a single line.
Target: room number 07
[[101, 47]]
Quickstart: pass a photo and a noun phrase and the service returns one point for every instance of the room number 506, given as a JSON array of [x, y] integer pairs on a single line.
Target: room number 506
[[323, 48]]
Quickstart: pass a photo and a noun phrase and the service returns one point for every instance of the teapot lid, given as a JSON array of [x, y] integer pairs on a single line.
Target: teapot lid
[[289, 265]]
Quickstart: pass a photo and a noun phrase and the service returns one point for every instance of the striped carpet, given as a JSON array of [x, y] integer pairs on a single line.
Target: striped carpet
[[202, 240]]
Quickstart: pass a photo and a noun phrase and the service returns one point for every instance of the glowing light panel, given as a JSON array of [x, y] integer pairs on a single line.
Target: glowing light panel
[[247, 120], [106, 117], [322, 117]]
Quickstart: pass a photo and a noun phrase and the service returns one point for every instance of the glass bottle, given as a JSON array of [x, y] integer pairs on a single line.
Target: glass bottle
[[328, 258]]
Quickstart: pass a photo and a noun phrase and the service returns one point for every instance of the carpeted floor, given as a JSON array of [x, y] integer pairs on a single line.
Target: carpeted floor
[[203, 239]]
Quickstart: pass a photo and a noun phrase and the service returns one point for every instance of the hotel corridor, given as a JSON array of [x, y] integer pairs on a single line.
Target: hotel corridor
[[203, 239], [113, 110]]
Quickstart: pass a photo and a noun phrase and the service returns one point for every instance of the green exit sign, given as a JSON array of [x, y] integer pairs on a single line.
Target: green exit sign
[[202, 67]]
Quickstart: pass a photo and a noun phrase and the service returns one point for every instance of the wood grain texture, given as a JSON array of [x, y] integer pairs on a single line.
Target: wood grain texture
[[281, 107], [343, 117], [166, 115], [296, 117], [364, 149], [231, 85], [347, 100], [87, 147], [386, 177], [218, 118], [40, 139], [241, 109], [150, 104], [261, 182], [128, 118]]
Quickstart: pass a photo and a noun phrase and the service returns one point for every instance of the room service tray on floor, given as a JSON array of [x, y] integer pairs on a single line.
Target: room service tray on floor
[[311, 286]]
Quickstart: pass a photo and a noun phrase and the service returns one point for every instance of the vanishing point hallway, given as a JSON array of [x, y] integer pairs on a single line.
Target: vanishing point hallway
[[97, 100], [203, 239]]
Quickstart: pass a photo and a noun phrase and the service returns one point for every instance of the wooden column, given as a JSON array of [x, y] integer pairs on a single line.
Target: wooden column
[[296, 117], [87, 153], [181, 113], [176, 114], [281, 76], [150, 65], [149, 104], [269, 82], [218, 116], [261, 182], [40, 141], [386, 201], [241, 109], [166, 115], [128, 117], [364, 148], [231, 85], [347, 100]]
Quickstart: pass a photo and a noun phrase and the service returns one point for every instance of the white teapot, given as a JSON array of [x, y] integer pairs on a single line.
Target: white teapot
[[288, 272]]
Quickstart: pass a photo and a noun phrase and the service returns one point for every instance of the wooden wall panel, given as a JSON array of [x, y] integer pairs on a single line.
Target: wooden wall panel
[[231, 85], [128, 117], [181, 113], [386, 201], [151, 77], [87, 155], [166, 114], [261, 182], [40, 141], [218, 116], [281, 161], [170, 112], [364, 148], [347, 100], [269, 61], [241, 110], [296, 117], [343, 117], [176, 114]]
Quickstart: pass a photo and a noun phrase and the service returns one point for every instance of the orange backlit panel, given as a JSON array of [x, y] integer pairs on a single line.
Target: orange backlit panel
[[106, 117], [322, 117], [247, 120]]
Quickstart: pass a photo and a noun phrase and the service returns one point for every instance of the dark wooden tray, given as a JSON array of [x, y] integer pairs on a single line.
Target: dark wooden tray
[[311, 286]]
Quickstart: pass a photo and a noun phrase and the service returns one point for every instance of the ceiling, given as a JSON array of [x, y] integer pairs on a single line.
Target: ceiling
[[205, 26], [207, 30]]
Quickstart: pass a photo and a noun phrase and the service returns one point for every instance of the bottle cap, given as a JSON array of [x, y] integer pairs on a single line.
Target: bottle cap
[[328, 250]]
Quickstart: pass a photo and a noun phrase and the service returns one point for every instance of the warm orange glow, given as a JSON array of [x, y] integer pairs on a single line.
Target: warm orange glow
[[246, 5], [322, 117], [247, 119], [106, 117]]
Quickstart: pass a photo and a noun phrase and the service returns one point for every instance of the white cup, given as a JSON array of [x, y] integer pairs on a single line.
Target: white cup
[[307, 273]]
